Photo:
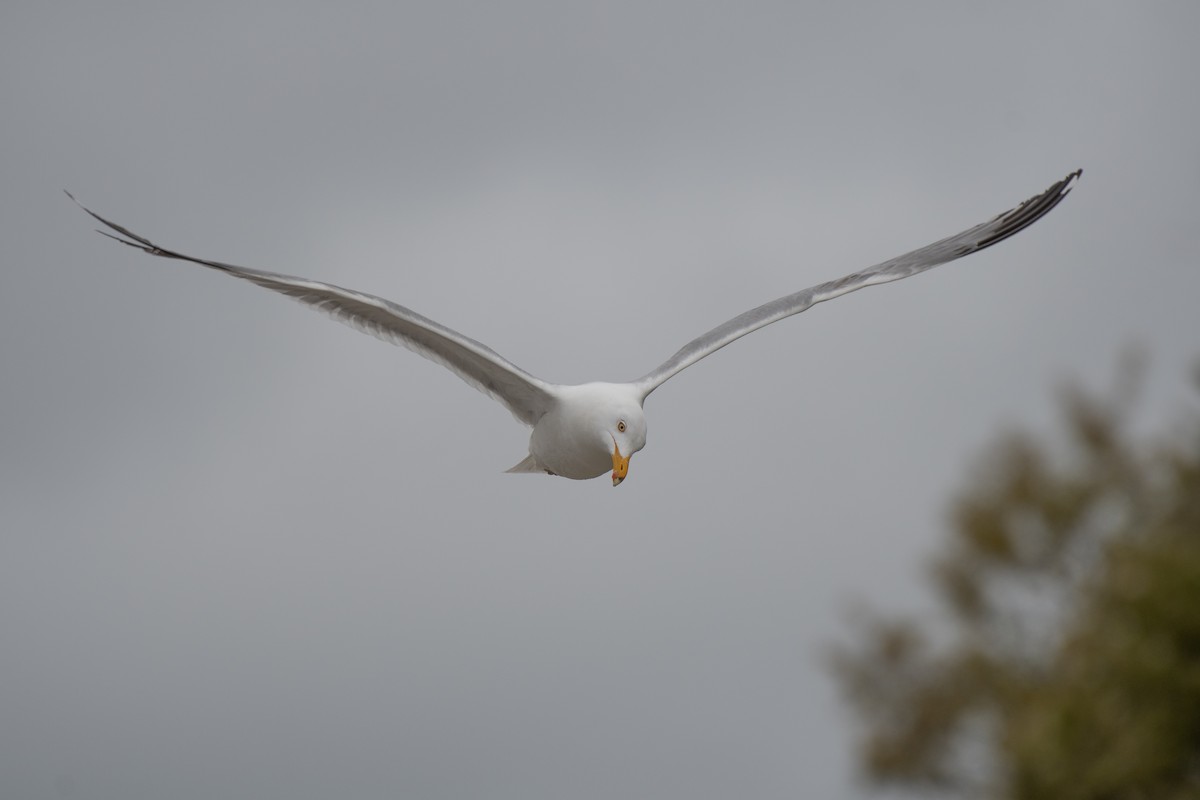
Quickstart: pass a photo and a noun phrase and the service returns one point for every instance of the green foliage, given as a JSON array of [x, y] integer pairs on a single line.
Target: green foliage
[[1071, 667]]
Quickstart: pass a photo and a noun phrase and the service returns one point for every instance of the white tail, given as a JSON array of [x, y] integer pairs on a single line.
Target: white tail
[[527, 464]]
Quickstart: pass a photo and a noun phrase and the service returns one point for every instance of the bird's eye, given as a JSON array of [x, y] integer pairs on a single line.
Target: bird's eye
[[620, 426]]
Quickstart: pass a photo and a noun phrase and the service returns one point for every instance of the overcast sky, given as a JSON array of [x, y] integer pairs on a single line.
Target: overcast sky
[[248, 553]]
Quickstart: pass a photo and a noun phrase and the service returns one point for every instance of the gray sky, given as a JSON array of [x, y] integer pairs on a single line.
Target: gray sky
[[246, 552]]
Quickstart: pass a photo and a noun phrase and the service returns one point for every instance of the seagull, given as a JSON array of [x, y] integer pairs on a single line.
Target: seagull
[[580, 431]]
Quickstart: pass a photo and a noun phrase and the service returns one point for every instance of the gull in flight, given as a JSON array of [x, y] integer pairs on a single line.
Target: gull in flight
[[581, 431]]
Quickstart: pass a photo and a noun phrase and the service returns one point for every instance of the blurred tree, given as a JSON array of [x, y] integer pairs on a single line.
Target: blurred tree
[[1071, 667]]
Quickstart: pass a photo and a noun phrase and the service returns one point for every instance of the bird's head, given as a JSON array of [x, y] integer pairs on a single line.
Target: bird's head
[[624, 435], [612, 415], [592, 426]]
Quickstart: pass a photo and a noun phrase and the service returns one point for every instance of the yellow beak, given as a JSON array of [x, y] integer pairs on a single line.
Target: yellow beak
[[620, 465]]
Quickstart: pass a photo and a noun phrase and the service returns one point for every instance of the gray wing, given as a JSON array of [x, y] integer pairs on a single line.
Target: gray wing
[[524, 395], [961, 244]]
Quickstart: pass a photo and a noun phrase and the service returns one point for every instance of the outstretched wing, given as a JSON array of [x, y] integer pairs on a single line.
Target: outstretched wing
[[524, 395], [961, 244]]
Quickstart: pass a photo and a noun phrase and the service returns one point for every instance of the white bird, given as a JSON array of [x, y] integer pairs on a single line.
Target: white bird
[[581, 431]]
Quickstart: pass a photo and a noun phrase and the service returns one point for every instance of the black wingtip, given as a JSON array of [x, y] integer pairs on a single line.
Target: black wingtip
[[139, 242], [1029, 212], [75, 200], [122, 241]]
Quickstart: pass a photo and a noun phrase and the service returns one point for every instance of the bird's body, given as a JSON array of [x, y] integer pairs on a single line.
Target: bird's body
[[564, 441], [581, 431]]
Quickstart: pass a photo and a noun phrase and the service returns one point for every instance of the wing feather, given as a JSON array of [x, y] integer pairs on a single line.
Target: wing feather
[[527, 397], [969, 241]]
